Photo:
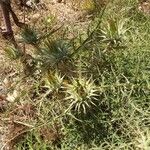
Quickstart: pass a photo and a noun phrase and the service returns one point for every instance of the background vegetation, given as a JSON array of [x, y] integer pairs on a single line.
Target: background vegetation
[[90, 91]]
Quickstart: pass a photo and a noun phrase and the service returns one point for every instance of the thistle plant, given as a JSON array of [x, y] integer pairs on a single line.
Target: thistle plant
[[13, 53], [81, 94], [53, 53], [29, 36], [114, 33], [53, 81]]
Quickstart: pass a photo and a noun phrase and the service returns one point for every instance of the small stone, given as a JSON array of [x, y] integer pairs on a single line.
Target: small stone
[[12, 97]]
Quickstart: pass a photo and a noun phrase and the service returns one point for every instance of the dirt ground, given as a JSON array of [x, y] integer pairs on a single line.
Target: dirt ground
[[63, 14]]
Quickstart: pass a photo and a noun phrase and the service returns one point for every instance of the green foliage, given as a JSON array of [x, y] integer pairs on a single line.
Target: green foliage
[[53, 81], [114, 32], [53, 53], [81, 95], [13, 53], [31, 138], [29, 36], [95, 87]]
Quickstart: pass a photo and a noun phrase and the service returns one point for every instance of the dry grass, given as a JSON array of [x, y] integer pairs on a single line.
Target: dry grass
[[57, 109]]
